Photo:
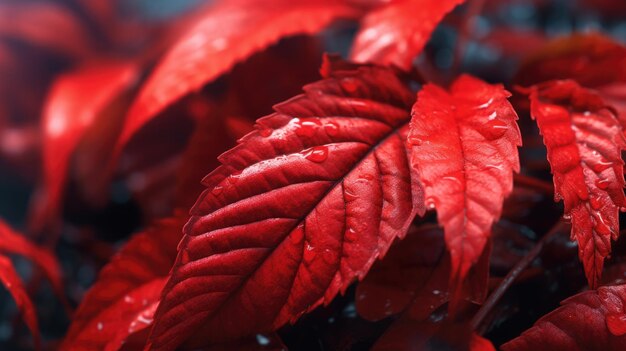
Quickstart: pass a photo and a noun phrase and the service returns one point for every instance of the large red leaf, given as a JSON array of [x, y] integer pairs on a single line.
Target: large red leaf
[[464, 145], [11, 281], [74, 103], [226, 33], [13, 243], [397, 33], [298, 211], [592, 320], [123, 299], [584, 142]]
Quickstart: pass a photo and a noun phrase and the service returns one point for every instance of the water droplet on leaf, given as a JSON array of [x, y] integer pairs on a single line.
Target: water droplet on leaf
[[307, 128], [316, 154], [493, 129], [603, 183], [217, 190], [331, 128], [616, 324], [350, 196]]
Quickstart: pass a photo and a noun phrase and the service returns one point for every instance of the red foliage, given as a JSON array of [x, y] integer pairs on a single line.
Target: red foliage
[[592, 320], [387, 205], [584, 141]]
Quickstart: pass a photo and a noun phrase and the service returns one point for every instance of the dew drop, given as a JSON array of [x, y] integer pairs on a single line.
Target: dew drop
[[262, 340], [430, 203], [350, 85], [616, 324], [368, 177], [217, 190], [351, 235], [603, 183], [493, 129], [415, 140], [316, 154], [331, 128], [436, 292], [595, 202], [100, 326], [601, 166], [567, 216], [349, 196], [453, 179], [265, 131], [310, 247], [128, 299], [307, 128]]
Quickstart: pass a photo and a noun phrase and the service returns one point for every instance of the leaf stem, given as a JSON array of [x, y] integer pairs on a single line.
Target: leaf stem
[[514, 273]]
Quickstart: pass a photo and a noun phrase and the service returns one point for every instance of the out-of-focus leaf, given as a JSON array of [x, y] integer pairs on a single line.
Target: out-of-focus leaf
[[44, 24], [73, 105], [226, 33], [14, 243], [397, 33], [123, 299], [11, 281]]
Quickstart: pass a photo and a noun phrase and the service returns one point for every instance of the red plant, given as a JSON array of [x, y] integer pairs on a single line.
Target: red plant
[[387, 203]]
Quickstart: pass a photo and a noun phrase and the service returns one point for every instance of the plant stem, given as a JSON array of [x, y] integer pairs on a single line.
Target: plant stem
[[514, 273], [534, 183]]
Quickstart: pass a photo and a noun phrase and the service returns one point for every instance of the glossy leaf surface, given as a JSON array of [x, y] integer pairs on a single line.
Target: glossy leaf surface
[[464, 145], [298, 211]]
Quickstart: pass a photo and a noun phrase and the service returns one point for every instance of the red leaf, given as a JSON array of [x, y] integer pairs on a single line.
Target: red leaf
[[397, 33], [584, 142], [11, 281], [44, 24], [464, 146], [413, 277], [123, 299], [298, 211], [592, 320], [225, 34], [591, 59], [14, 243], [478, 343], [74, 103]]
